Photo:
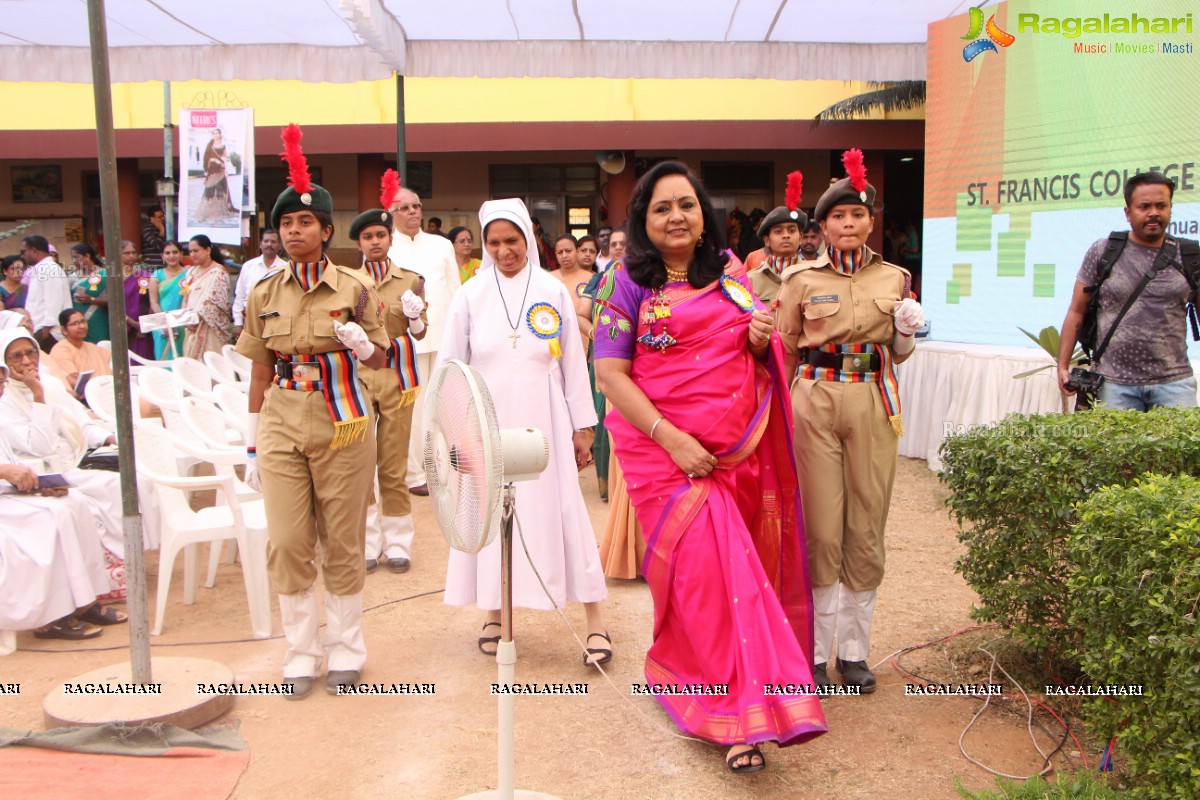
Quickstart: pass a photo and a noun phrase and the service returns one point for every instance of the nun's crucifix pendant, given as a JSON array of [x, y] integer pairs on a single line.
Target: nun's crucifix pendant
[[514, 336]]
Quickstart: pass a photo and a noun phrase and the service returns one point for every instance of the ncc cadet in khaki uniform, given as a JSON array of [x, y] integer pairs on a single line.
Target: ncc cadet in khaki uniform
[[780, 233], [392, 389], [846, 319], [307, 327]]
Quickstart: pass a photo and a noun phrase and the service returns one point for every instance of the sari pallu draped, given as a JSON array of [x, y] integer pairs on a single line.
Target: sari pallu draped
[[725, 558]]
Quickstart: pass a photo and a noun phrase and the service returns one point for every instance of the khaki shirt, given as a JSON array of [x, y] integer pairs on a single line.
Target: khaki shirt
[[765, 283], [282, 317], [819, 305], [394, 285]]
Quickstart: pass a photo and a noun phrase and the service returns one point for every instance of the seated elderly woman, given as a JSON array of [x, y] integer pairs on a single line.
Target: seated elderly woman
[[42, 422], [52, 565]]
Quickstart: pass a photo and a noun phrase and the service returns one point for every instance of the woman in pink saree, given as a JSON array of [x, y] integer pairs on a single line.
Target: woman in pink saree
[[702, 430]]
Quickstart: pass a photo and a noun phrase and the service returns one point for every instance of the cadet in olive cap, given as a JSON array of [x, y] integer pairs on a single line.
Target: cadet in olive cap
[[308, 326], [780, 231], [393, 388], [846, 319]]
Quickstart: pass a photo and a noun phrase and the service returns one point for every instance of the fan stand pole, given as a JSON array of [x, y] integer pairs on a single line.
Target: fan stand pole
[[506, 661]]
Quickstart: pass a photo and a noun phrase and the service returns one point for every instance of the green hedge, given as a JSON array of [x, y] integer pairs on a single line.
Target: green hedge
[[1134, 596], [1016, 485]]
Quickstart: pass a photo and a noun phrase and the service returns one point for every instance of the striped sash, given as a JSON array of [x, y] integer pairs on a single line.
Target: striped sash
[[889, 387], [403, 359], [343, 393]]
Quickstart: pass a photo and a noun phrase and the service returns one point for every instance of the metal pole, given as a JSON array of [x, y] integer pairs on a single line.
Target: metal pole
[[168, 160], [401, 142], [506, 656], [135, 570]]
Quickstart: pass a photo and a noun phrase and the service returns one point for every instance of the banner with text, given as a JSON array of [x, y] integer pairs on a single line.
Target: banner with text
[[1037, 114]]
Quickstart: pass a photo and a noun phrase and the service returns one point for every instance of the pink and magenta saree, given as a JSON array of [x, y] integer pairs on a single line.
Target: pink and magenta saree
[[725, 557]]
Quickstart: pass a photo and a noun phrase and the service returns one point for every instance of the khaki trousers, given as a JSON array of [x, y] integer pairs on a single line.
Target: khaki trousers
[[392, 430], [312, 493], [846, 463]]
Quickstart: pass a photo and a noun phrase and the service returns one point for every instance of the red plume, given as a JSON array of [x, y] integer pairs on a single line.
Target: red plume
[[298, 177], [390, 187], [852, 160], [795, 182]]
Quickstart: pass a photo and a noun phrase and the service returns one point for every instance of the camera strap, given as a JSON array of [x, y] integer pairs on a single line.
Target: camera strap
[[1163, 260]]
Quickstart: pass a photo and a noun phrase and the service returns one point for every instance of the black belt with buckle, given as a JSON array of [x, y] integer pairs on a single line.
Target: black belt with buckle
[[844, 362], [297, 371]]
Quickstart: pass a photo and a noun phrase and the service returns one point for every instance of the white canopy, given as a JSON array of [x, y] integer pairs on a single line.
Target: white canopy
[[322, 40]]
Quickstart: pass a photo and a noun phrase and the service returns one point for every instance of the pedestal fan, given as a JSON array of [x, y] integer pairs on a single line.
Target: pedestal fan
[[470, 467]]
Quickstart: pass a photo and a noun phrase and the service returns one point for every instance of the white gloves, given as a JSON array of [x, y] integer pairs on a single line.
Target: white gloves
[[413, 305], [909, 317], [252, 480], [353, 336]]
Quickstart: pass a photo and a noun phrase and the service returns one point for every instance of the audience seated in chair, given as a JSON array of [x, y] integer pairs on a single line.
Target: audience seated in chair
[[52, 563]]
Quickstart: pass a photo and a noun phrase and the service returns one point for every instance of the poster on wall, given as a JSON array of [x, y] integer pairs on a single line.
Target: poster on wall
[[1038, 113], [216, 160]]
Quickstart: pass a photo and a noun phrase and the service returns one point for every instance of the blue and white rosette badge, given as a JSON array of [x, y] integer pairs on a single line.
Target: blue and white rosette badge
[[738, 295], [543, 319]]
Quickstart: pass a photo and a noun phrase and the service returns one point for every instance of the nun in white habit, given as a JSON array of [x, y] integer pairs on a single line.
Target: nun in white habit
[[516, 324], [51, 560], [58, 430]]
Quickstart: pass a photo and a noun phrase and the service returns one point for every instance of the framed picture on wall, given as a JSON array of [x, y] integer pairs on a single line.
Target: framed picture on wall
[[38, 184]]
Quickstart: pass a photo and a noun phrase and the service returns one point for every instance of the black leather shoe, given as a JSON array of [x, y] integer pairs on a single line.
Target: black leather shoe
[[372, 565], [301, 687], [857, 673], [398, 564], [821, 676], [340, 677], [420, 491]]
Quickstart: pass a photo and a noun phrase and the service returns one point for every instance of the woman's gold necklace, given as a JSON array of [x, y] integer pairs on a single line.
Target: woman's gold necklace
[[678, 275]]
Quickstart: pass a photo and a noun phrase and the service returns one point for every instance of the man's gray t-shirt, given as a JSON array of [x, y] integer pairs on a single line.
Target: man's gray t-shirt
[[1150, 344]]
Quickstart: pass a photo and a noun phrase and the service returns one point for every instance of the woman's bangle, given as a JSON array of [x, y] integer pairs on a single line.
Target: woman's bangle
[[652, 427]]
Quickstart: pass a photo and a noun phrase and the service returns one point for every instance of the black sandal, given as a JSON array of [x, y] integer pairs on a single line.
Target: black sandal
[[604, 653], [749, 766], [487, 640], [103, 615], [68, 628]]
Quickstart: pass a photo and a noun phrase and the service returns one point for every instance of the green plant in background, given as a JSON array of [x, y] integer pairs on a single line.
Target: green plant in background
[[1134, 596], [1014, 487], [1067, 786], [1078, 786], [1049, 340]]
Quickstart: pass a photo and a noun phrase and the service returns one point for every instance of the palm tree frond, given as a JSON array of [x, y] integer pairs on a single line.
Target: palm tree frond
[[885, 96]]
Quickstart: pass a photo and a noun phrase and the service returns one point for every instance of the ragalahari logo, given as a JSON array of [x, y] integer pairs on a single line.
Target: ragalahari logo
[[995, 36]]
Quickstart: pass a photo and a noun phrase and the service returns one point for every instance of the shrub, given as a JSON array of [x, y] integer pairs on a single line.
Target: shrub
[[1079, 786], [1134, 598], [1017, 484]]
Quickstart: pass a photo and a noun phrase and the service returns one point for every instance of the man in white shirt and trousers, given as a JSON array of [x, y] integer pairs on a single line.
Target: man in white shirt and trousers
[[431, 256], [252, 272]]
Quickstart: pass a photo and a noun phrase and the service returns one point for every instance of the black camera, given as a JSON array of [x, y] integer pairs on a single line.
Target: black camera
[[1085, 381]]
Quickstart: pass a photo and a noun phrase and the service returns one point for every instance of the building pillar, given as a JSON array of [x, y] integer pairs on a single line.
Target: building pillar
[[620, 190], [130, 205], [370, 171]]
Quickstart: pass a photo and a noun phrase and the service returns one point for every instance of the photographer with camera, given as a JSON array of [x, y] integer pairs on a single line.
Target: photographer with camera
[[1133, 296]]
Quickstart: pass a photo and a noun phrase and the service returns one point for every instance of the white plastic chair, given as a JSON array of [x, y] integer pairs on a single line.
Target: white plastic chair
[[239, 361], [100, 393], [106, 344], [208, 425], [236, 406], [222, 370], [183, 528], [166, 390], [196, 377]]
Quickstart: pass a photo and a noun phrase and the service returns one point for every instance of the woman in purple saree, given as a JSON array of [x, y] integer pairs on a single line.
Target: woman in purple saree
[[702, 430]]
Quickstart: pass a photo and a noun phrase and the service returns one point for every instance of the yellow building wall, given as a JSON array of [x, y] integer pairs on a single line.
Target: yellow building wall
[[68, 106]]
